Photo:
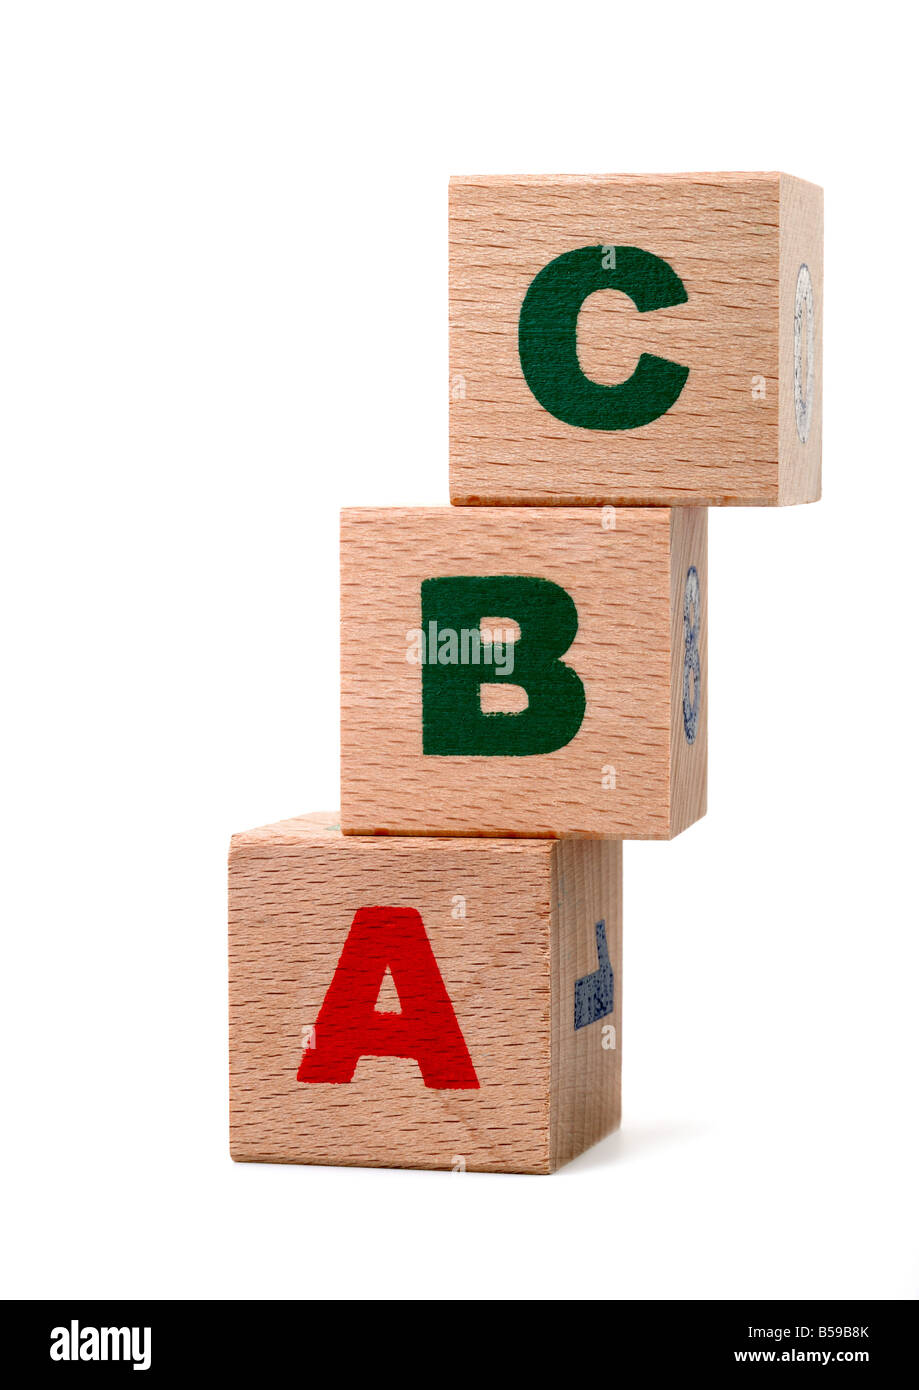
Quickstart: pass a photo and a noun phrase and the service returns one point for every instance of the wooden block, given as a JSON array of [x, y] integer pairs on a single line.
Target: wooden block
[[593, 723], [425, 1003], [648, 339]]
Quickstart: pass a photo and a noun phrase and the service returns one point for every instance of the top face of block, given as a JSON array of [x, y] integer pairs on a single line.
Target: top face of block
[[635, 339]]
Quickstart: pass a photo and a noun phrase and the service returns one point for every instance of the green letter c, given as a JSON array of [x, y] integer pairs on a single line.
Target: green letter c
[[547, 338]]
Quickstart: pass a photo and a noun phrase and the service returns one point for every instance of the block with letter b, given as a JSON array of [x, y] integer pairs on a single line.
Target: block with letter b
[[437, 1003], [523, 671], [635, 339]]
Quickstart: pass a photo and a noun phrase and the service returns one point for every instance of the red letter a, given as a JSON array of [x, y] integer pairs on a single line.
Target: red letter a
[[349, 1027]]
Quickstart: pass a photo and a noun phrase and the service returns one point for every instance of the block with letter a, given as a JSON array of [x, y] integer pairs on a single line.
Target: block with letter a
[[421, 1002]]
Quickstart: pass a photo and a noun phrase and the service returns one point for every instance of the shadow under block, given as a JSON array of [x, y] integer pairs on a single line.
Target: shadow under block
[[609, 671], [446, 1003], [635, 339]]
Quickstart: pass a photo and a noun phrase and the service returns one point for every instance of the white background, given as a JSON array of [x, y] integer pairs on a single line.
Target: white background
[[223, 316]]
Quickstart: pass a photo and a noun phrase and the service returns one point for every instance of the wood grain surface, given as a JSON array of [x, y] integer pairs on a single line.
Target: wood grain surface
[[628, 771], [736, 241], [509, 964]]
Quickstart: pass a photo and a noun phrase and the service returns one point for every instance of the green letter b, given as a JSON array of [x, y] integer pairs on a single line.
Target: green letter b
[[453, 721]]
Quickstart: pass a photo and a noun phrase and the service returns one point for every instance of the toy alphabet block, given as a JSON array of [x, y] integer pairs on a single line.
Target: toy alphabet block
[[523, 671], [635, 339], [430, 1003]]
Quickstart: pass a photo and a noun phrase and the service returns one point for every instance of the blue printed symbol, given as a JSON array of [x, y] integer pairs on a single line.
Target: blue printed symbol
[[692, 662], [593, 994]]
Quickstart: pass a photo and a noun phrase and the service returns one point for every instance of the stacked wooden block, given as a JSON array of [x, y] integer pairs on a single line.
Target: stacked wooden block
[[435, 980]]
